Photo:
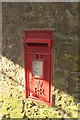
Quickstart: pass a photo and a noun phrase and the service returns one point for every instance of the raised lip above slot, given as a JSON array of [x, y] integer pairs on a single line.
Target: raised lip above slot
[[38, 42]]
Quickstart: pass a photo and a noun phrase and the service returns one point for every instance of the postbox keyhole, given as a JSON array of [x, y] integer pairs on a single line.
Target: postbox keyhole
[[37, 56]]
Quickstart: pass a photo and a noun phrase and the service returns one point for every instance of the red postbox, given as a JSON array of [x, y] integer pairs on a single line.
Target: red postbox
[[38, 64]]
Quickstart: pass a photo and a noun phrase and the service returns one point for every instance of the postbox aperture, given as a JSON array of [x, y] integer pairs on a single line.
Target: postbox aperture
[[38, 56]]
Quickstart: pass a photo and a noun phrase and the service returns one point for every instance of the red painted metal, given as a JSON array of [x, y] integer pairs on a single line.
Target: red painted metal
[[38, 64]]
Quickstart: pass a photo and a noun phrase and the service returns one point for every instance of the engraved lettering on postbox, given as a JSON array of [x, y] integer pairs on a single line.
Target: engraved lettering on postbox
[[38, 88]]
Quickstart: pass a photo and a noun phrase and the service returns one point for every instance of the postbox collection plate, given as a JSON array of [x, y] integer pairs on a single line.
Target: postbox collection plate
[[37, 70], [38, 59]]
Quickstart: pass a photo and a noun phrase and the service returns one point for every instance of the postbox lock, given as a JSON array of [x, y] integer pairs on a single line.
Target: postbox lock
[[38, 57]]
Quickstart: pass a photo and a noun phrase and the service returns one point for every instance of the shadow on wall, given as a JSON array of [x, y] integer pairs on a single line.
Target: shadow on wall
[[64, 18]]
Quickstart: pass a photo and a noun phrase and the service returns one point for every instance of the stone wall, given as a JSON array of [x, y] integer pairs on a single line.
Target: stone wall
[[64, 18]]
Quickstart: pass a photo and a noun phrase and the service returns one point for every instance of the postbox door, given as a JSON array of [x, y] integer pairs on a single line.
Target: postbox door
[[39, 76]]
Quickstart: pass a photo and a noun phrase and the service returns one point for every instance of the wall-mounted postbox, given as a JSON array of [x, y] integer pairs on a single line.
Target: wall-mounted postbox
[[38, 63]]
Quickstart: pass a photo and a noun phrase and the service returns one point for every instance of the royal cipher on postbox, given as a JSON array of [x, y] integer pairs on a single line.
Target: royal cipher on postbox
[[38, 64]]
